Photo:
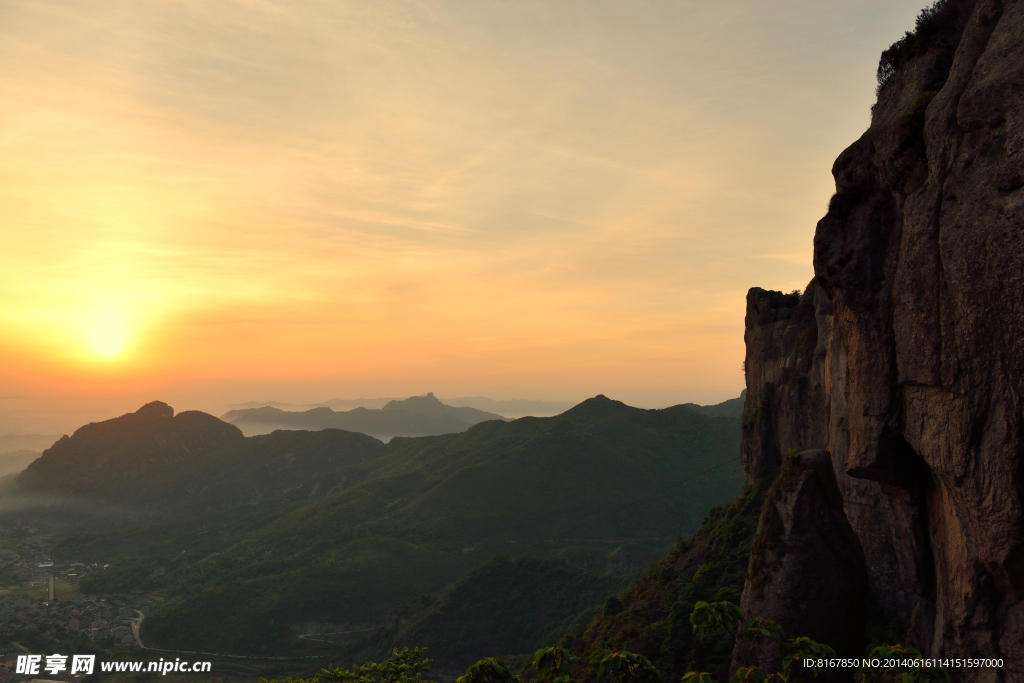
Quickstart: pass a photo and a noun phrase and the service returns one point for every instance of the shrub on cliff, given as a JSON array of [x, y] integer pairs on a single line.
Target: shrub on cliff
[[939, 25]]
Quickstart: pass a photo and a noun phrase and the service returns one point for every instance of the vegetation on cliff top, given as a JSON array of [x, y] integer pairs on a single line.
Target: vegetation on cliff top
[[938, 26]]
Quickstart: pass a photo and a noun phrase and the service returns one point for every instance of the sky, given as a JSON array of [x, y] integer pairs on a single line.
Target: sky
[[208, 203]]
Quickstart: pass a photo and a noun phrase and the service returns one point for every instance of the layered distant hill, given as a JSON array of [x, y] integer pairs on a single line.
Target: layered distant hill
[[16, 461], [26, 442], [510, 408], [18, 450], [416, 416]]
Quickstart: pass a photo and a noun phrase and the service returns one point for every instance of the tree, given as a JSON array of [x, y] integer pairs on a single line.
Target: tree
[[488, 670], [552, 663], [404, 666], [707, 618], [793, 652], [627, 667]]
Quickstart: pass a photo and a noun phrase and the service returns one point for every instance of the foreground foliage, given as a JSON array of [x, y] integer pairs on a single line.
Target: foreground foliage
[[404, 666], [504, 606], [800, 655], [554, 665]]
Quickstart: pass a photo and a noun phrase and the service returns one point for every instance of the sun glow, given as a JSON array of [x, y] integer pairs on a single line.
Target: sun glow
[[107, 337]]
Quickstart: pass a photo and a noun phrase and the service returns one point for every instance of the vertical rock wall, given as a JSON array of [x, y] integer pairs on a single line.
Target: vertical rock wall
[[904, 358]]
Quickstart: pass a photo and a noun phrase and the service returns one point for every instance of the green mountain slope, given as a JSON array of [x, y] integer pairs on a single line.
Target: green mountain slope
[[271, 469], [599, 476], [504, 606], [263, 604], [274, 533], [652, 617]]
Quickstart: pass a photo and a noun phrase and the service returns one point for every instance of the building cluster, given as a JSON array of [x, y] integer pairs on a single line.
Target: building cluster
[[61, 572], [33, 566], [44, 626], [56, 621]]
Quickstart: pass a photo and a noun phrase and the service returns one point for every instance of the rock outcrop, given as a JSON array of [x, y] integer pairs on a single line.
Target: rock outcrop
[[804, 518], [904, 357]]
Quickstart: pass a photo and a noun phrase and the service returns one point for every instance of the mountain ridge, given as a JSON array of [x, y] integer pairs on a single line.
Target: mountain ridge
[[508, 408]]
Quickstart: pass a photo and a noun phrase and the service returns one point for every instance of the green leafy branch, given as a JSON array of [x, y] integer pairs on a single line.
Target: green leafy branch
[[552, 664], [404, 666], [627, 667], [709, 618], [489, 670]]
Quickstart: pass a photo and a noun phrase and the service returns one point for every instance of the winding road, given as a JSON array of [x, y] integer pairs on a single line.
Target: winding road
[[136, 625]]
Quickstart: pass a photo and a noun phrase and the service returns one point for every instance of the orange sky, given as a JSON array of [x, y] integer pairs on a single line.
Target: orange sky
[[252, 200]]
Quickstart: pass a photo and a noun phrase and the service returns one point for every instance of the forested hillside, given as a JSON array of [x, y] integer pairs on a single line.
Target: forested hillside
[[268, 537]]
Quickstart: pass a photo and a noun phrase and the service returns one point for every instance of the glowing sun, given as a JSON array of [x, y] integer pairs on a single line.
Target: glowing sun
[[107, 337]]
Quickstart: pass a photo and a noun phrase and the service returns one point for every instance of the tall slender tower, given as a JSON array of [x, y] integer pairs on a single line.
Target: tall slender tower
[[51, 588]]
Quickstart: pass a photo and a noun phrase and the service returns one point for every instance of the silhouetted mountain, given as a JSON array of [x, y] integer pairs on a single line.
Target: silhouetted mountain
[[512, 408], [111, 459], [416, 416], [335, 404], [430, 406]]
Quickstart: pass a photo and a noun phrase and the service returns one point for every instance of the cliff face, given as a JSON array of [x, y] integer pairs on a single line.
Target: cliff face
[[903, 359]]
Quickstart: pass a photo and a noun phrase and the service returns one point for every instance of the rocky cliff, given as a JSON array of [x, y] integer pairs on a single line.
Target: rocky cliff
[[903, 360]]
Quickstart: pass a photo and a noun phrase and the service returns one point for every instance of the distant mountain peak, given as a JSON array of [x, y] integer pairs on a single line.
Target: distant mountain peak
[[426, 405], [600, 401], [155, 409]]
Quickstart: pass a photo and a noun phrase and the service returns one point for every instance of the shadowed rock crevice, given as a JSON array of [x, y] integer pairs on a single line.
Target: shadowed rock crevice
[[807, 569]]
